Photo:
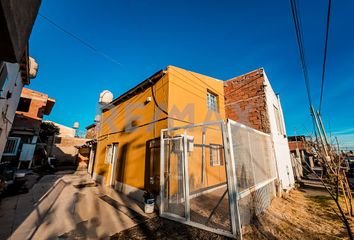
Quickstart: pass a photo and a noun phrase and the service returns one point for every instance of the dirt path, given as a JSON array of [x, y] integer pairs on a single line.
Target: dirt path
[[303, 215]]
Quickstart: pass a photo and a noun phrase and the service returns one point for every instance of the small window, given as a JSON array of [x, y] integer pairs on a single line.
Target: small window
[[11, 146], [3, 77], [216, 155], [212, 101], [109, 154], [279, 121], [24, 104]]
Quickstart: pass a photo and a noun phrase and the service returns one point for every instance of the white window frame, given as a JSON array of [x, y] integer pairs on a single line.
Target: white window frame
[[15, 149], [109, 154], [212, 101], [215, 155], [278, 120]]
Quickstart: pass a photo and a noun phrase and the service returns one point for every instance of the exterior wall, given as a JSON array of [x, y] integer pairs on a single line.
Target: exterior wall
[[132, 124], [187, 97], [26, 125], [250, 100], [64, 131], [65, 149], [281, 146], [135, 124], [33, 118], [91, 131], [245, 100], [8, 107], [187, 104]]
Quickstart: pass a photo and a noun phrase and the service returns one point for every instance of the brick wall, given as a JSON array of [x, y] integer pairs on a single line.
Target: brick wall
[[33, 118], [91, 131], [245, 100]]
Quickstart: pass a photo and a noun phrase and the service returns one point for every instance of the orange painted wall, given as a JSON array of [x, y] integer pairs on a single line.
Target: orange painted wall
[[118, 126], [183, 94]]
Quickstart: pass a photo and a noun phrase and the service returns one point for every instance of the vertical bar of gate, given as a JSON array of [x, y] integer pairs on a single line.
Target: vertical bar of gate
[[162, 174], [186, 177], [231, 182]]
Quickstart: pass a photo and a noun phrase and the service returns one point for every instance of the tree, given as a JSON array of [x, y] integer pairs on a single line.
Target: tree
[[47, 129]]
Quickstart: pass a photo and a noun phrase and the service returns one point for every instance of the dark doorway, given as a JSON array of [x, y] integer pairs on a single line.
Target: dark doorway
[[152, 166]]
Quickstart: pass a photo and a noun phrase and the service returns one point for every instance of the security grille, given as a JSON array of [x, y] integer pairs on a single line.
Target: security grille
[[220, 180], [11, 146]]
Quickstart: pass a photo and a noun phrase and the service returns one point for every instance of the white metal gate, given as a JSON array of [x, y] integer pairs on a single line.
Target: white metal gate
[[202, 166]]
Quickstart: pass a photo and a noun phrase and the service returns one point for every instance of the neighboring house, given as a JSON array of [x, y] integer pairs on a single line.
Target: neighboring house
[[16, 67], [302, 156], [250, 100], [65, 147], [13, 78], [24, 133], [64, 131], [92, 131], [128, 143]]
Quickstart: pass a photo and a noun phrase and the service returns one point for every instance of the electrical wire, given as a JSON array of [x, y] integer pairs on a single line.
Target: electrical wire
[[297, 24], [325, 54], [80, 40]]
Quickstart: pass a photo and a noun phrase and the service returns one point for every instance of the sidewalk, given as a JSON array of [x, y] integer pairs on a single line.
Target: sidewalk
[[65, 206]]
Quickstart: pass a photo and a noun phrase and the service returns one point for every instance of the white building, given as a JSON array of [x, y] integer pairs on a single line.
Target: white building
[[280, 140], [13, 77], [250, 100]]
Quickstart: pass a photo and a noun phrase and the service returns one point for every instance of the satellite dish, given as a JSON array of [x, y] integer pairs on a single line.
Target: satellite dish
[[105, 97]]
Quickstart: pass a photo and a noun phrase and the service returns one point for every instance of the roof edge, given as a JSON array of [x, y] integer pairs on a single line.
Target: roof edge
[[137, 89]]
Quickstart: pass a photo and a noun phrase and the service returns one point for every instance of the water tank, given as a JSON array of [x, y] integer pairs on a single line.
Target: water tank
[[105, 97], [76, 125], [33, 68]]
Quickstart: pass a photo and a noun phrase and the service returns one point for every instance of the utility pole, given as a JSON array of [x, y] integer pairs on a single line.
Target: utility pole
[[319, 131]]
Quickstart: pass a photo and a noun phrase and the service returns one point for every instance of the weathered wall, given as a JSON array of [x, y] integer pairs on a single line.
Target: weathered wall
[[8, 106], [132, 124], [245, 100], [280, 140], [33, 118], [65, 149], [91, 132], [64, 131], [250, 100]]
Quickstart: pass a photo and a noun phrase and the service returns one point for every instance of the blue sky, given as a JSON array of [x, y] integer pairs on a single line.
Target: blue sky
[[221, 39]]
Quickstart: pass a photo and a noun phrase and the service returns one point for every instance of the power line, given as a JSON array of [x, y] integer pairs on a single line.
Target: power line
[[325, 54], [297, 23], [83, 42]]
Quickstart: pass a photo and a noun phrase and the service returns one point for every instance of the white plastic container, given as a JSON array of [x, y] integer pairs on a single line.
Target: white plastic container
[[149, 208]]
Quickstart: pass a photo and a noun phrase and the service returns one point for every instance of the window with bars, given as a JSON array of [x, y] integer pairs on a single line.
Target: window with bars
[[11, 146], [212, 101], [216, 155]]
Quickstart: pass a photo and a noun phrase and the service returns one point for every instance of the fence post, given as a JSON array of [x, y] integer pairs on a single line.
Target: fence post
[[162, 173], [186, 177], [231, 179]]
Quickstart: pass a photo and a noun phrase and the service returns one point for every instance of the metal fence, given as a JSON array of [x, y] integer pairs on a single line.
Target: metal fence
[[216, 176]]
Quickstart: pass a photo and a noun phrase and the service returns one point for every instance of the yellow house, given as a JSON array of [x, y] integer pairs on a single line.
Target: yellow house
[[128, 145]]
